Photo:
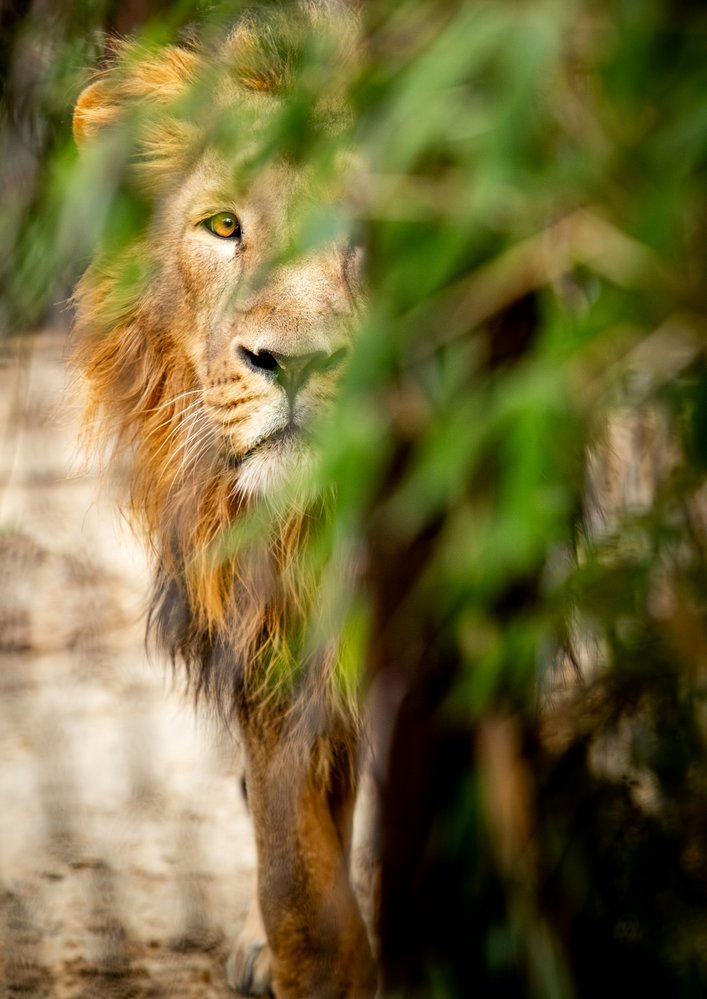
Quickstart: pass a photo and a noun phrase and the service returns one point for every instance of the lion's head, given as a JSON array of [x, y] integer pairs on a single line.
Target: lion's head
[[209, 348]]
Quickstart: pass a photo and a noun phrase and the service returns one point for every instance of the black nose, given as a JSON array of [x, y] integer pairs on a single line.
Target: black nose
[[292, 371]]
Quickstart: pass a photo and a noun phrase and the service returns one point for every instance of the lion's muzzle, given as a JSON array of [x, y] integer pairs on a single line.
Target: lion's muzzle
[[291, 371]]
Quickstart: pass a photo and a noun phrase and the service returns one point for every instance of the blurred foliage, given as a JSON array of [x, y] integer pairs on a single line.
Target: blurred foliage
[[519, 447]]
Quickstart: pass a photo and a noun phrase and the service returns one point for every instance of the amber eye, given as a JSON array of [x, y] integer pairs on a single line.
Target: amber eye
[[225, 225]]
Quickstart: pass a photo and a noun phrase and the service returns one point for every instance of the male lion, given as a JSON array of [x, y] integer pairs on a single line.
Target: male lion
[[207, 352]]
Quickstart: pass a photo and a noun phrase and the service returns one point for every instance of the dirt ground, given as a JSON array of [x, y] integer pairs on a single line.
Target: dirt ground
[[126, 855]]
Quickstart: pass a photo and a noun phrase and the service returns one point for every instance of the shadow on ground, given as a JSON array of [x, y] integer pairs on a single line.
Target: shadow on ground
[[126, 856]]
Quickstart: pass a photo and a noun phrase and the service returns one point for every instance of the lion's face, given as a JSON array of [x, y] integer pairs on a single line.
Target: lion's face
[[266, 338], [251, 329]]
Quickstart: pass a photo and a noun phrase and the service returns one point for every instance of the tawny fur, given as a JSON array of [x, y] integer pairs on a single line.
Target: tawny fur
[[211, 593], [167, 339]]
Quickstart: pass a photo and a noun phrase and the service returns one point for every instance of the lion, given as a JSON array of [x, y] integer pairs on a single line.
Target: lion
[[208, 351]]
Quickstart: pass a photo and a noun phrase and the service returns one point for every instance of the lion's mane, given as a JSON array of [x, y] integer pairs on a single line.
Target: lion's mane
[[235, 614]]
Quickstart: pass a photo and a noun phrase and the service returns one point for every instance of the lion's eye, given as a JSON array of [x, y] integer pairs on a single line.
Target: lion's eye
[[225, 225]]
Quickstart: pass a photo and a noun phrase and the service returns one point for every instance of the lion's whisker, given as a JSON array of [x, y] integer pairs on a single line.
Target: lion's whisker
[[184, 427], [194, 443], [173, 399], [179, 417]]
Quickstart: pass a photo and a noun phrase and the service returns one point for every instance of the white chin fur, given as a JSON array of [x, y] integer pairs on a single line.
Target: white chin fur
[[272, 467]]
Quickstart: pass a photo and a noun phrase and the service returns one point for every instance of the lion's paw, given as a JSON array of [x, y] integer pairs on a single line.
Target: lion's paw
[[248, 969]]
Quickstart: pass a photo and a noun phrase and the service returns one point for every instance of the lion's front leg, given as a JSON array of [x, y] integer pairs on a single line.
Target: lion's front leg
[[248, 969], [302, 806]]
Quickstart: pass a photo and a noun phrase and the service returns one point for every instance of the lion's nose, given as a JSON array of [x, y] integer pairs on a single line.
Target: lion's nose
[[292, 371]]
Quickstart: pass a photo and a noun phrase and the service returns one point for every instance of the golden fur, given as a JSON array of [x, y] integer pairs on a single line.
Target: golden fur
[[185, 340], [142, 383]]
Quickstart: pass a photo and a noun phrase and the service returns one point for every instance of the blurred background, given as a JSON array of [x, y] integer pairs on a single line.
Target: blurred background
[[519, 449]]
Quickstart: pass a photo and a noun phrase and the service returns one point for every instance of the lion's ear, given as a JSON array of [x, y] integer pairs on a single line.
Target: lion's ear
[[95, 108]]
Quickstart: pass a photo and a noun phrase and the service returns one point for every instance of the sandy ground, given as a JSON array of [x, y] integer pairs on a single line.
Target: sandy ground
[[126, 856]]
